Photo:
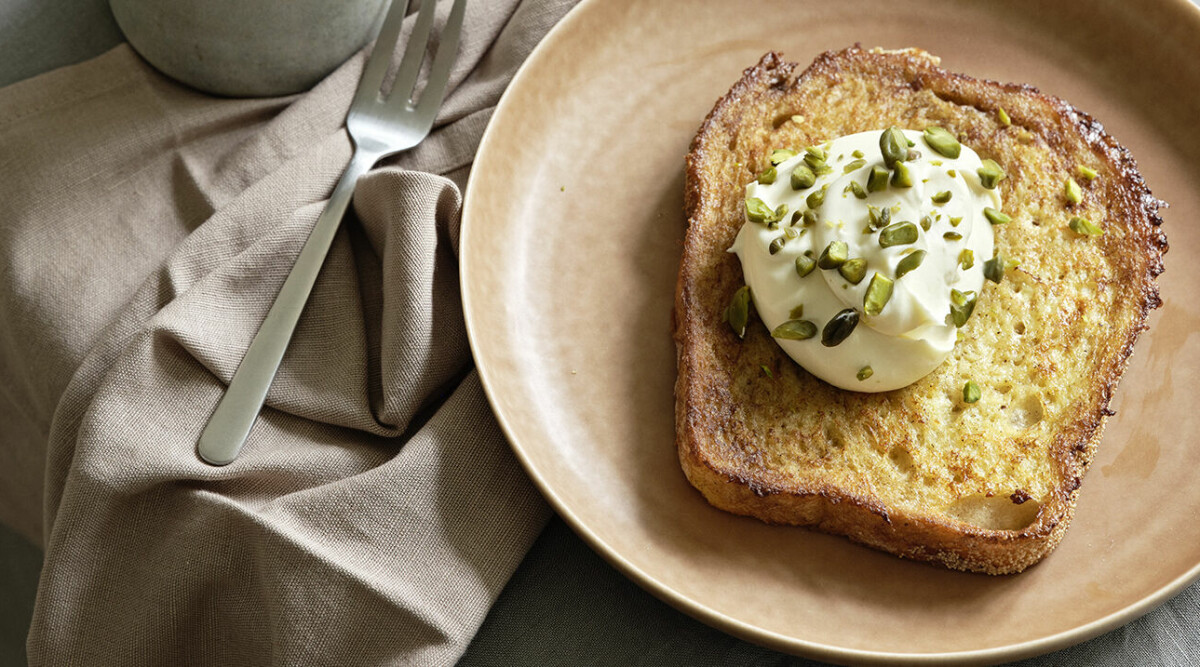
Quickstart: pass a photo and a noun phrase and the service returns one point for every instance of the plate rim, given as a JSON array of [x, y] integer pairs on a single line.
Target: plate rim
[[1188, 10]]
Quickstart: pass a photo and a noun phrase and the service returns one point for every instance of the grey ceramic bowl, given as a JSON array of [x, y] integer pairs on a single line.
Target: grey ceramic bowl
[[247, 48]]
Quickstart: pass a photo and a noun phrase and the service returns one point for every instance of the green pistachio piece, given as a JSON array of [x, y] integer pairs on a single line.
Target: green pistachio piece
[[864, 373], [758, 211], [909, 262], [810, 218], [854, 270], [1085, 227], [851, 166], [878, 218], [901, 176], [971, 392], [816, 153], [805, 265], [952, 236], [796, 313], [857, 189], [962, 304], [839, 327], [877, 180], [993, 269], [942, 141], [815, 199], [879, 291], [954, 222], [834, 255], [996, 217], [738, 312], [777, 245], [767, 177], [990, 174], [803, 177], [966, 258], [899, 233], [780, 155], [1072, 191], [795, 329], [1002, 116], [1088, 172], [894, 147], [793, 233], [857, 153], [941, 197], [926, 222]]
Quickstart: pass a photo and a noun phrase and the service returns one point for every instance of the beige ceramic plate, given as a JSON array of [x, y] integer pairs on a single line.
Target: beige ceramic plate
[[570, 247]]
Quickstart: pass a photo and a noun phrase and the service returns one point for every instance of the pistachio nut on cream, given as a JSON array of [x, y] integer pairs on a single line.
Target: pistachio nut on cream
[[864, 255]]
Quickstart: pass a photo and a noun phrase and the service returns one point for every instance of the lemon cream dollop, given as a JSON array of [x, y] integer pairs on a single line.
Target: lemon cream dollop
[[863, 263]]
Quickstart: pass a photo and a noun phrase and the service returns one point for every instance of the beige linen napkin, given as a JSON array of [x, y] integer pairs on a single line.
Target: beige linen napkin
[[376, 510]]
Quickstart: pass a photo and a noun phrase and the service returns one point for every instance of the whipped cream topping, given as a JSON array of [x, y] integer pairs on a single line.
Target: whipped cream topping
[[915, 331]]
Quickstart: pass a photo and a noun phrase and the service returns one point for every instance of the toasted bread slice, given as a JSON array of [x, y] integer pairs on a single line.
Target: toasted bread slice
[[986, 487]]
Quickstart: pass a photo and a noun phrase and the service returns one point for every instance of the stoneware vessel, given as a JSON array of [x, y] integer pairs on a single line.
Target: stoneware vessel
[[247, 48]]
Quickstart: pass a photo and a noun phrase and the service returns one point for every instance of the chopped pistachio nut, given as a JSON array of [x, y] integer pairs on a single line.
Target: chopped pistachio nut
[[996, 217], [781, 155], [810, 218], [990, 174], [851, 166], [940, 140], [926, 222], [795, 329], [894, 146], [877, 180], [738, 312], [900, 233], [802, 177], [952, 236], [857, 189], [758, 211], [854, 270], [993, 269], [805, 265], [766, 371], [1072, 191], [839, 327], [879, 291], [797, 312], [901, 176], [971, 392], [954, 222], [767, 177], [815, 198], [878, 218], [793, 233], [857, 153], [909, 263], [864, 373], [1002, 115], [1085, 227], [962, 304], [941, 197], [1088, 172], [966, 258], [834, 255], [777, 245]]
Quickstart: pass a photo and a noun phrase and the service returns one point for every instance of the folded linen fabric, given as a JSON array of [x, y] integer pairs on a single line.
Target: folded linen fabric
[[376, 510]]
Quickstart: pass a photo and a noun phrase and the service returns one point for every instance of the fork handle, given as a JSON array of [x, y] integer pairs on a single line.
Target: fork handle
[[230, 423]]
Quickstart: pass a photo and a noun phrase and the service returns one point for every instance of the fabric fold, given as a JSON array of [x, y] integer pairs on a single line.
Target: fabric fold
[[376, 510]]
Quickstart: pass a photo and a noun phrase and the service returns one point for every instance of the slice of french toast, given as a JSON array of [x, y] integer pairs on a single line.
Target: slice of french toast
[[988, 486]]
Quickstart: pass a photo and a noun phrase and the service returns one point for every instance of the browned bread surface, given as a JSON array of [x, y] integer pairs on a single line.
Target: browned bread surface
[[989, 486]]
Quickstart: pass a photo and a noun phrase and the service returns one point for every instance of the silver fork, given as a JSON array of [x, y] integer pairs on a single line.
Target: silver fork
[[379, 127]]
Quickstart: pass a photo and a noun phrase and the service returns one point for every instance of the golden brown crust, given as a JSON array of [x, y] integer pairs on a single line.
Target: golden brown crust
[[913, 471]]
